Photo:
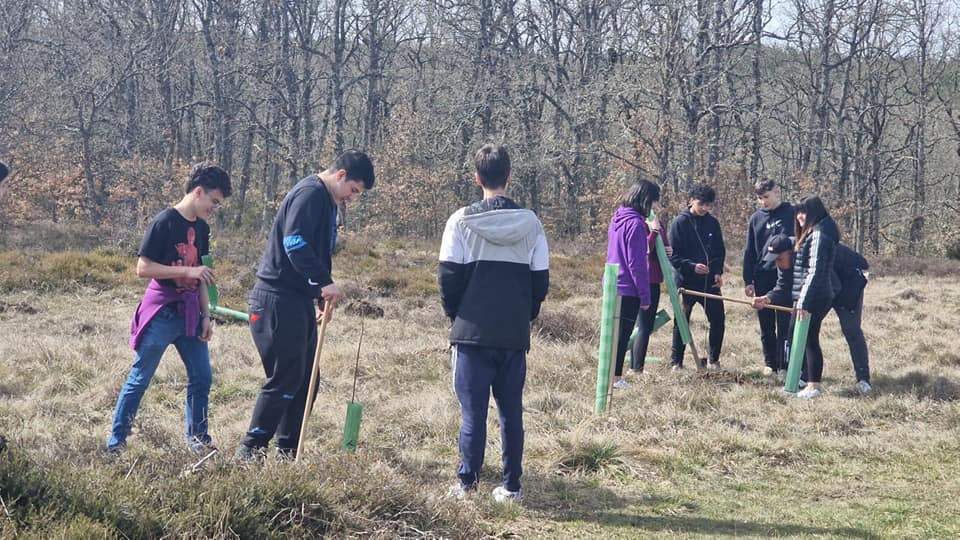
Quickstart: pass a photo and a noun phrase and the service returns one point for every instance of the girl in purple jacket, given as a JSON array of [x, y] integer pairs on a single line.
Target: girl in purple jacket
[[627, 246]]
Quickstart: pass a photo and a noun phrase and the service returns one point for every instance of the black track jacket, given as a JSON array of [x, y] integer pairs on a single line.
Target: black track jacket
[[300, 246], [697, 240]]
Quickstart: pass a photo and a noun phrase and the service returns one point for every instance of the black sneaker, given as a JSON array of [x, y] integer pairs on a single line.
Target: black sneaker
[[286, 454], [245, 454]]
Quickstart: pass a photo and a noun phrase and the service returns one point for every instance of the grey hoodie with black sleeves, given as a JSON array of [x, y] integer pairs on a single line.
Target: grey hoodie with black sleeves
[[493, 273]]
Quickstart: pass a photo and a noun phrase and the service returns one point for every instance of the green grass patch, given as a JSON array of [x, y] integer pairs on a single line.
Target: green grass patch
[[64, 271]]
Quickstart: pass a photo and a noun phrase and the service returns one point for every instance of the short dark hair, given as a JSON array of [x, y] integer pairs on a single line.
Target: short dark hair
[[493, 165], [764, 185], [358, 166], [641, 196], [703, 193], [209, 176]]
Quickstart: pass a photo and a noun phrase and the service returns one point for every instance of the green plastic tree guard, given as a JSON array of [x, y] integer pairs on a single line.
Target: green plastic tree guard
[[351, 428], [797, 349], [667, 271], [605, 352], [214, 295], [661, 319]]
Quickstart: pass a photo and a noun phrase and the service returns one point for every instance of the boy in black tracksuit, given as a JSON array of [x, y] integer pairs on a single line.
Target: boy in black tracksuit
[[294, 272], [698, 257], [493, 275], [759, 276]]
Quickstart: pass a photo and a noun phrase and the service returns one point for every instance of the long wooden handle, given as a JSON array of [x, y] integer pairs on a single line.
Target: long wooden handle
[[314, 374], [734, 300]]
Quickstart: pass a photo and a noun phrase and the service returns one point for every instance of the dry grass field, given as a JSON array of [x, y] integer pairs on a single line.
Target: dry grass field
[[679, 455]]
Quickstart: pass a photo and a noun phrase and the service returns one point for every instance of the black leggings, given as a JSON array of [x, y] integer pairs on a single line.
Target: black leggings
[[629, 309], [644, 329], [813, 353]]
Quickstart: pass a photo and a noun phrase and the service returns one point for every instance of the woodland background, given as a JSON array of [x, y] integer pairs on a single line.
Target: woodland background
[[104, 104]]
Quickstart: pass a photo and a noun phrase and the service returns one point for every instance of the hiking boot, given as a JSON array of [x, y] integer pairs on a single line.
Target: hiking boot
[[863, 388], [460, 492], [504, 495]]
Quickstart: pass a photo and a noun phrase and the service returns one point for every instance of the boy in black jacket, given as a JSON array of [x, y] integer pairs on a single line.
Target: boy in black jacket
[[760, 275], [493, 275], [296, 271], [698, 257]]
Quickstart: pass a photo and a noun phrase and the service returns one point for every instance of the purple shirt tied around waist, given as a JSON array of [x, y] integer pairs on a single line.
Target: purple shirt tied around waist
[[156, 298]]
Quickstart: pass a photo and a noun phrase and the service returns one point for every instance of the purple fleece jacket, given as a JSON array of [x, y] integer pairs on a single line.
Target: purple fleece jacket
[[627, 246]]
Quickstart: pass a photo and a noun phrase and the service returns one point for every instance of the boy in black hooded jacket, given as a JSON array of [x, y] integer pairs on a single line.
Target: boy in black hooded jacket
[[698, 257]]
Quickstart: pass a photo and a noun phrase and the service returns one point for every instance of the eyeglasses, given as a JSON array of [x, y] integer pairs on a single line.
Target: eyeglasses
[[217, 203]]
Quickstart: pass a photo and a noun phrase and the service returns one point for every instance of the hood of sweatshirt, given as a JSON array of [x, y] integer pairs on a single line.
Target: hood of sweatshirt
[[500, 221], [828, 227], [623, 217]]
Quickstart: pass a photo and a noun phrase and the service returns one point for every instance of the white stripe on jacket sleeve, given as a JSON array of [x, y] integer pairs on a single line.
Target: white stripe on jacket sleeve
[[815, 239]]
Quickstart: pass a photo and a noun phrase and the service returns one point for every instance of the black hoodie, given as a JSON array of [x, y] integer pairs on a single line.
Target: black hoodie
[[697, 240], [763, 225]]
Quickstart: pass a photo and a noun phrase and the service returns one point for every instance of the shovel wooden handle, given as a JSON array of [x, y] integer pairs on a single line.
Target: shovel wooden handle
[[314, 374], [734, 300]]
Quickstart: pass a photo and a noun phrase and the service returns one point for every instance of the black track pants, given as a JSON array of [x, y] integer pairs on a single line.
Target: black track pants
[[285, 333]]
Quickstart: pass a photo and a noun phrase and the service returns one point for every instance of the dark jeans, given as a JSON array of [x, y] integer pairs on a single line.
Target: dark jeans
[[477, 370], [644, 329], [853, 332], [285, 334], [774, 325], [715, 316]]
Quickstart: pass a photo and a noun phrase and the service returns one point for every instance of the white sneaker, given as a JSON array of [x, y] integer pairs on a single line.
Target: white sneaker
[[863, 387], [503, 495], [782, 375], [809, 393], [802, 384], [621, 384], [460, 492], [713, 365], [767, 371]]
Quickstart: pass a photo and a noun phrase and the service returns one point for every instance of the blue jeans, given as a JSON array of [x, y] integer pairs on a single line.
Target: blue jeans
[[165, 328], [477, 371]]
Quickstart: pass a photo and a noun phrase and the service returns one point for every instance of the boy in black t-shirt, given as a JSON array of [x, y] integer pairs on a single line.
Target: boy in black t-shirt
[[174, 308]]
